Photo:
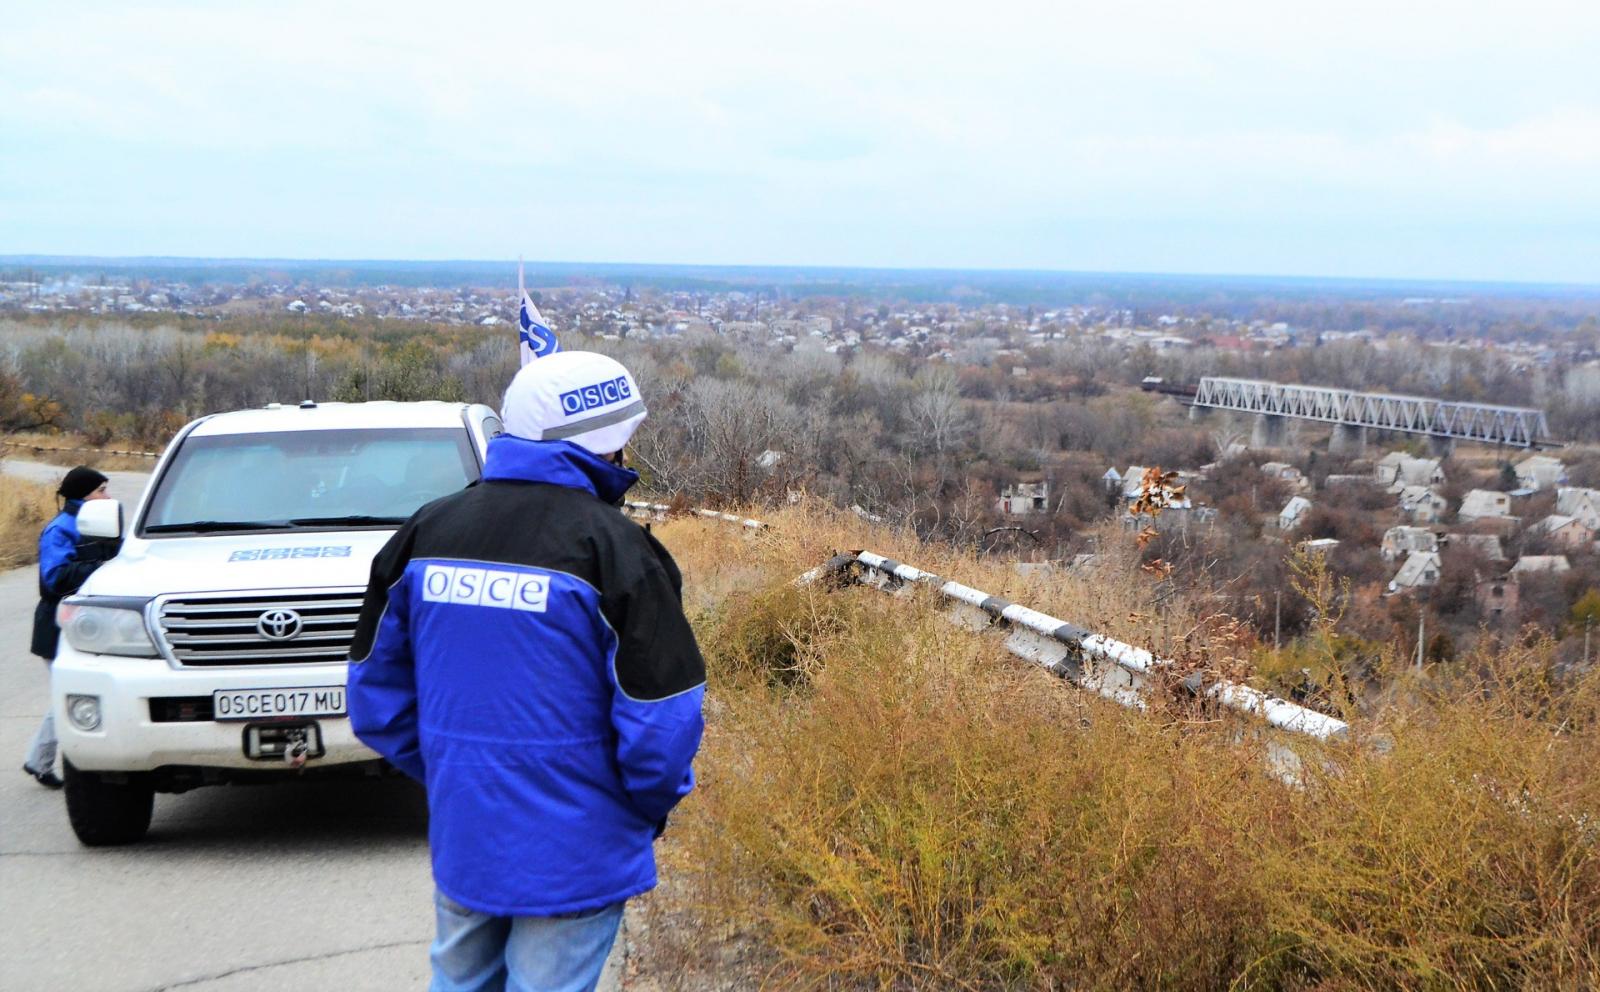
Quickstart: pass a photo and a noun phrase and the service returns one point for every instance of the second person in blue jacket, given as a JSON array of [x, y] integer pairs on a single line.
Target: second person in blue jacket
[[66, 560]]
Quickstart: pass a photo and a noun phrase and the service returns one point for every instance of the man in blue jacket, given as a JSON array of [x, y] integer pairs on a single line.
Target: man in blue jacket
[[66, 560], [523, 652]]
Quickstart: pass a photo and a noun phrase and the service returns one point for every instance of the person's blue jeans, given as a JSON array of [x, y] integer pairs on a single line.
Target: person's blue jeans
[[476, 952]]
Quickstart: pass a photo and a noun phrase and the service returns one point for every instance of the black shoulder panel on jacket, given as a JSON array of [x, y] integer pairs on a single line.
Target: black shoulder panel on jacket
[[662, 555], [657, 656], [387, 567]]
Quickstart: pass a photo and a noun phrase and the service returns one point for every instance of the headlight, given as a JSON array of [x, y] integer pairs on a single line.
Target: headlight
[[106, 627], [84, 712]]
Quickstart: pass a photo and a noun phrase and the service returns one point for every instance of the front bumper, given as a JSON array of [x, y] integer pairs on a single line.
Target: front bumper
[[129, 740]]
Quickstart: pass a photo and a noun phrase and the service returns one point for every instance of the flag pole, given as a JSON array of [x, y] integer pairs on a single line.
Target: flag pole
[[522, 294]]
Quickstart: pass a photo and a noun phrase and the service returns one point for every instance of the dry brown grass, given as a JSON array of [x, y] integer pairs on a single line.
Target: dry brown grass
[[36, 447], [889, 801], [25, 507]]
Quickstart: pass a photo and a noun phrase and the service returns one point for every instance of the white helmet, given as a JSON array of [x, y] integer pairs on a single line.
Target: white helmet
[[576, 396]]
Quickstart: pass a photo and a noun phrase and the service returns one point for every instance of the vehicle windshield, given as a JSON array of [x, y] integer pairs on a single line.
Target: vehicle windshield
[[305, 479]]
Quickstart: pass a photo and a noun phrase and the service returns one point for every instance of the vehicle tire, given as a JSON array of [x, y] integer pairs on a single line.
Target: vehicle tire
[[103, 813]]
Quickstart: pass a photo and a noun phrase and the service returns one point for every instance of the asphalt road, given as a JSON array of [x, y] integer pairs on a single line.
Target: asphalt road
[[307, 886], [125, 486]]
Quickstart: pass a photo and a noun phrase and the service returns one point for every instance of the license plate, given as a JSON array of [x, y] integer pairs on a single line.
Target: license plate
[[257, 704]]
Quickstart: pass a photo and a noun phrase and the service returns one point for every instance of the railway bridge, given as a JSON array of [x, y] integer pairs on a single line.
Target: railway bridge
[[1353, 414]]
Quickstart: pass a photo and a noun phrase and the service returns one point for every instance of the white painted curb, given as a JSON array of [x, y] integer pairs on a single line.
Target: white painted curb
[[1064, 648]]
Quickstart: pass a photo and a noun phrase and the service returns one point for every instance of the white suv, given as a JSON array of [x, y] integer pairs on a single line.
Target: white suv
[[212, 648]]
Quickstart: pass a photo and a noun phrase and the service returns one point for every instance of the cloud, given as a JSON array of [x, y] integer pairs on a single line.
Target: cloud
[[1562, 138]]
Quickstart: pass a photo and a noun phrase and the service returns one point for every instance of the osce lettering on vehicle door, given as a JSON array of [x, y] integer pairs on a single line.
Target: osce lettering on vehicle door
[[469, 586], [278, 554], [598, 395]]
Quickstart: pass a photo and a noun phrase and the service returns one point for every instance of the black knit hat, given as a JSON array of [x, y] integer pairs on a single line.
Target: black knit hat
[[80, 482]]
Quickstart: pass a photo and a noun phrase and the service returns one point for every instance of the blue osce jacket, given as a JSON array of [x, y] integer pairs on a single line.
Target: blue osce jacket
[[66, 560], [523, 651]]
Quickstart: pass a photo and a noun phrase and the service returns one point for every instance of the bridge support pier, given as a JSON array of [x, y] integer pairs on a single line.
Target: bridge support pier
[[1269, 431], [1348, 439], [1199, 412], [1441, 447]]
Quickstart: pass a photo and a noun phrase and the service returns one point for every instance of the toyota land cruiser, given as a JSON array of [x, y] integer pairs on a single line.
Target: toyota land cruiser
[[212, 648]]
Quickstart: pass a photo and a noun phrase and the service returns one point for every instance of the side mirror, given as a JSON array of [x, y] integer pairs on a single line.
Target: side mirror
[[100, 518]]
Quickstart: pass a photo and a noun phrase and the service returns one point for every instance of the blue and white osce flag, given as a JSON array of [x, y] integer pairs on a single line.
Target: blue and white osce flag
[[535, 337]]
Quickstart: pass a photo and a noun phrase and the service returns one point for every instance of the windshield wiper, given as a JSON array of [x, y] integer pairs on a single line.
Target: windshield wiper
[[207, 526], [351, 520]]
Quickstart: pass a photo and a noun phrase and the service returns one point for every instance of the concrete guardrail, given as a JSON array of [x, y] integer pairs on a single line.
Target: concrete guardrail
[[1113, 669], [36, 448], [660, 511]]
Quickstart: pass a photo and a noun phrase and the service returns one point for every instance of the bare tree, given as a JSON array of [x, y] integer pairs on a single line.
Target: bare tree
[[938, 416]]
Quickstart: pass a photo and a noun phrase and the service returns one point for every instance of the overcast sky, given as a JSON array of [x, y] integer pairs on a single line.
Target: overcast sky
[[1455, 139]]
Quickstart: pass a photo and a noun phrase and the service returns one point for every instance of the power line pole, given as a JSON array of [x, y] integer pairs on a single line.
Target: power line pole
[[1422, 619], [1277, 620]]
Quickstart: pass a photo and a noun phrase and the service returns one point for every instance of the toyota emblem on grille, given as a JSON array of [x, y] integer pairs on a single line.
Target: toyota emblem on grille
[[279, 625]]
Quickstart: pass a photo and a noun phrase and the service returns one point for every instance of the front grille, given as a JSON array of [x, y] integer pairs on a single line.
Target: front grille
[[223, 630]]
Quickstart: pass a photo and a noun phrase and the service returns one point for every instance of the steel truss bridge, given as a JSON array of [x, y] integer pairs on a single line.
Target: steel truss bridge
[[1520, 427]]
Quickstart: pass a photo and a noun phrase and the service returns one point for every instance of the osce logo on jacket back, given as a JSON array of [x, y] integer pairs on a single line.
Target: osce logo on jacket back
[[598, 395], [471, 586]]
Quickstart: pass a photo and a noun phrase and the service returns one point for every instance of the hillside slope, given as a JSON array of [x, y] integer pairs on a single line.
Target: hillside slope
[[888, 800]]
